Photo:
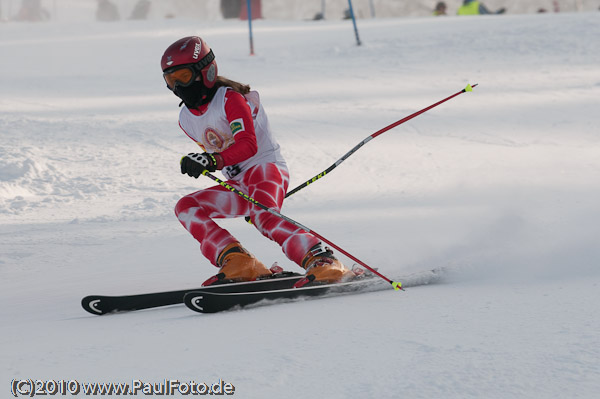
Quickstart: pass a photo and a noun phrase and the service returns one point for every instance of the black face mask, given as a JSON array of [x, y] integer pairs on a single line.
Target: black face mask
[[195, 94]]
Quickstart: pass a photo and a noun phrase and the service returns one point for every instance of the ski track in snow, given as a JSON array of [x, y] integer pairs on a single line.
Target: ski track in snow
[[500, 185]]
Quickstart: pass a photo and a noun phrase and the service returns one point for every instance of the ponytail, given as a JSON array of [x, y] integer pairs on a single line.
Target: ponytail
[[241, 88]]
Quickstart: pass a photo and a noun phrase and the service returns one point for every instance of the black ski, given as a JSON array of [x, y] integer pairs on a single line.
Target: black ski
[[204, 301], [102, 304]]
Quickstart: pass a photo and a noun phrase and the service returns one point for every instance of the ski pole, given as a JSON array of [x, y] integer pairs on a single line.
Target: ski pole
[[371, 137], [396, 284]]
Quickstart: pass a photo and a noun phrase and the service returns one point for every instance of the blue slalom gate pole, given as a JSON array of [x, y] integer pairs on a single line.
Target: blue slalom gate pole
[[250, 26], [354, 22]]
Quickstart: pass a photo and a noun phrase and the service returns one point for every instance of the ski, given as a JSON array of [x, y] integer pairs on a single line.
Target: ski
[[103, 304], [204, 301]]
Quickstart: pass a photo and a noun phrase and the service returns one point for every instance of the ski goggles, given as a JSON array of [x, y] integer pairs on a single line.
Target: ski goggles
[[185, 75]]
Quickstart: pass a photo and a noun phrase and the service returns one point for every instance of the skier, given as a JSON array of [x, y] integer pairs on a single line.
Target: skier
[[474, 7], [440, 9], [107, 11], [226, 119]]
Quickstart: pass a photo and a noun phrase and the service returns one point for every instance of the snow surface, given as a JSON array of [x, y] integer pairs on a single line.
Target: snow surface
[[501, 184]]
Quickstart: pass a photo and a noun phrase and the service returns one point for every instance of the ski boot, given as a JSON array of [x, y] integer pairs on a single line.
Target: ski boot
[[323, 268], [237, 264]]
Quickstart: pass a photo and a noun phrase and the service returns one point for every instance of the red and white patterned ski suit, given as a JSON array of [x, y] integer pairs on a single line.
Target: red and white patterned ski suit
[[237, 127]]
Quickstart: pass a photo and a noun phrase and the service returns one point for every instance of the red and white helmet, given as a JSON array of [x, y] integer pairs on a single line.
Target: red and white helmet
[[191, 52]]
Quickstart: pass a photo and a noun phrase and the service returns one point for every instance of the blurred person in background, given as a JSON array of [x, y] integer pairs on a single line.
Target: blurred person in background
[[231, 8], [141, 10], [31, 10], [107, 11], [440, 9], [556, 6], [474, 7]]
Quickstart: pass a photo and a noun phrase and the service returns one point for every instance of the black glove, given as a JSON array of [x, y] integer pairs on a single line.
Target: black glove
[[195, 164]]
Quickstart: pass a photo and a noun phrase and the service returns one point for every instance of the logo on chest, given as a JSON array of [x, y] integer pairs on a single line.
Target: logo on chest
[[215, 142]]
